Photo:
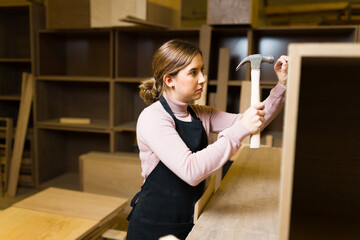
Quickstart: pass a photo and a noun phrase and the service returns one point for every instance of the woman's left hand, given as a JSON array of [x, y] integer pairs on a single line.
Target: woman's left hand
[[281, 69]]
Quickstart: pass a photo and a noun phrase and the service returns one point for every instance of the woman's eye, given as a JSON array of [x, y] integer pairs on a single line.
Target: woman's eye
[[193, 73]]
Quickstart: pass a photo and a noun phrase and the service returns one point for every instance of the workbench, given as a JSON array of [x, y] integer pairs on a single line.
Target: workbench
[[245, 206], [60, 214]]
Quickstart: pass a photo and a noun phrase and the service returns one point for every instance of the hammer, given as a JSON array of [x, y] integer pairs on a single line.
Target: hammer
[[255, 60]]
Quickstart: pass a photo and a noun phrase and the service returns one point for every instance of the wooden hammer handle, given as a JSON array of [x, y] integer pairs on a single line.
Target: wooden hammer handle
[[255, 98]]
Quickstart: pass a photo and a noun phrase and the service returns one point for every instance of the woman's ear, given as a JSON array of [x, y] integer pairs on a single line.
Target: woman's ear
[[169, 80]]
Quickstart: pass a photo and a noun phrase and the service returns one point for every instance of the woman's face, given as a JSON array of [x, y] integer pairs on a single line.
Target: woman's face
[[189, 82]]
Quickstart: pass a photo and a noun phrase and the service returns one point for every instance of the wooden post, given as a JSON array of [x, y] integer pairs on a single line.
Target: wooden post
[[221, 92]]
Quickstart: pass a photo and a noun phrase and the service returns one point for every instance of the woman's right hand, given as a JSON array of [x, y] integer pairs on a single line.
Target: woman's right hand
[[254, 117]]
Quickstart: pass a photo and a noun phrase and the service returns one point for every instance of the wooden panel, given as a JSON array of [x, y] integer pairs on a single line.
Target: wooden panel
[[75, 54], [17, 223], [320, 170], [10, 77], [205, 44], [114, 174], [245, 206], [73, 203], [223, 79], [15, 32], [67, 14]]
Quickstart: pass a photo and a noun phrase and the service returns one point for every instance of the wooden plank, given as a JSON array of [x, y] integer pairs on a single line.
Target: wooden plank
[[221, 92], [223, 79], [205, 44], [11, 3], [18, 223], [205, 198], [245, 206], [68, 120], [114, 234], [20, 134], [74, 203]]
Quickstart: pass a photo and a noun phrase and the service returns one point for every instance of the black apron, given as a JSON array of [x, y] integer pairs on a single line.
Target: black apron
[[165, 204]]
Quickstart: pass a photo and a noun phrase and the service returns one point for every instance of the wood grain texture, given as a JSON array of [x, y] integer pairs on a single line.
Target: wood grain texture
[[113, 174], [18, 223], [73, 203], [245, 206]]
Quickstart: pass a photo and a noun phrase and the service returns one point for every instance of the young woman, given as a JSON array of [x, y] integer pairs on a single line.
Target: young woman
[[172, 136]]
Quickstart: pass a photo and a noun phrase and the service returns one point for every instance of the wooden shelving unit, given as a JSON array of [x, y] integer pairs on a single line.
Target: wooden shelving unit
[[92, 74], [95, 74], [19, 22]]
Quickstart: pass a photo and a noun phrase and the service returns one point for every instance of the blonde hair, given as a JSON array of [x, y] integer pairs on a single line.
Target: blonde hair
[[169, 59]]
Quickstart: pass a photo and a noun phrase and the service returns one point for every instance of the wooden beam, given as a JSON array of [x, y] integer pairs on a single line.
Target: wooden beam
[[223, 79]]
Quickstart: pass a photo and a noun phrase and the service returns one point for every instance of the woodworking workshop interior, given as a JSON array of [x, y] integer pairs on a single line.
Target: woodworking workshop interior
[[179, 119]]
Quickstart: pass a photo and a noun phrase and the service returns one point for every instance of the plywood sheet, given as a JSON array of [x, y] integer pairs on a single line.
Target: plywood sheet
[[18, 223], [73, 203]]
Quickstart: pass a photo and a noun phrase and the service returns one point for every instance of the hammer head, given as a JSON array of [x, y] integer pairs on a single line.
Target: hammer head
[[256, 60]]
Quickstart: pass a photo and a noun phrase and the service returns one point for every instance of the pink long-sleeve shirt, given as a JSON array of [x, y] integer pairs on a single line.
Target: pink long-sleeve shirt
[[158, 139]]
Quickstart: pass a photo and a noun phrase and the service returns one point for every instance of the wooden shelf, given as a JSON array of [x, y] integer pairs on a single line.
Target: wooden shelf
[[74, 78], [129, 80], [60, 150], [130, 126], [56, 99], [238, 83], [11, 75], [101, 125], [15, 60], [9, 97]]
